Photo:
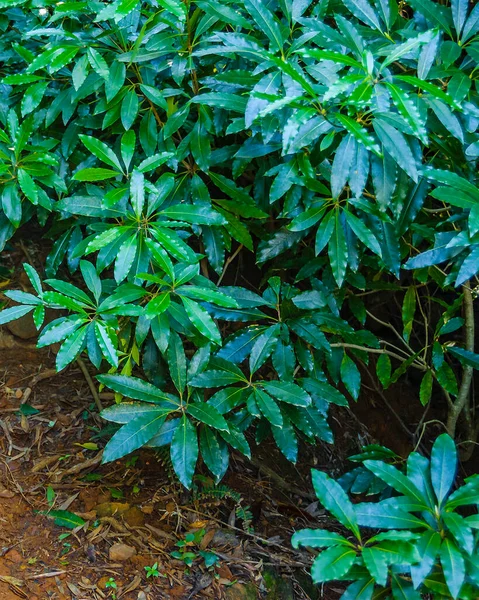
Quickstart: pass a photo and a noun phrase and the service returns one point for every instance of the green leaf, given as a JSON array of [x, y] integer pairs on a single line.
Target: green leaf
[[263, 347], [129, 109], [430, 88], [70, 349], [459, 528], [33, 96], [137, 389], [184, 451], [214, 296], [338, 250], [324, 391], [126, 411], [65, 518], [124, 7], [383, 369], [28, 186], [266, 21], [408, 312], [101, 151], [425, 389], [387, 514], [308, 218], [201, 320], [341, 166], [286, 440], [332, 564], [137, 192], [465, 357], [350, 376], [409, 111], [153, 162], [397, 146], [128, 141], [268, 408], [318, 538], [134, 434], [396, 480], [80, 72], [287, 392], [466, 494], [399, 50], [453, 565], [104, 338], [443, 466], [15, 312], [207, 414], [58, 330], [363, 11], [402, 588], [214, 452], [98, 63], [92, 174], [433, 12], [334, 499], [158, 305], [199, 215], [428, 546], [200, 144], [177, 362], [125, 258], [226, 399]]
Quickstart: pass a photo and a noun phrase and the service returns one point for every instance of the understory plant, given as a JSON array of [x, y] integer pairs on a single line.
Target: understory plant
[[233, 191], [425, 541]]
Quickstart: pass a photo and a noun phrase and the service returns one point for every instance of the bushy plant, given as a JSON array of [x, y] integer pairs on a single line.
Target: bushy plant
[[427, 545], [329, 143]]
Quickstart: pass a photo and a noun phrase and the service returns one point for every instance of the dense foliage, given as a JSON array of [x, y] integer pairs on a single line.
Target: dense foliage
[[321, 146], [426, 546]]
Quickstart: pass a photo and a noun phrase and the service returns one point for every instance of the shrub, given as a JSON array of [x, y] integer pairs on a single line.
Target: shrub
[[330, 143], [426, 546]]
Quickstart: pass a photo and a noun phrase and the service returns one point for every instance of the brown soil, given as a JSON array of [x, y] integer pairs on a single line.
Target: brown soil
[[38, 452]]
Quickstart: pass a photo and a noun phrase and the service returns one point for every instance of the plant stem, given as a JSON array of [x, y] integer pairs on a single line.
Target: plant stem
[[462, 400], [378, 351]]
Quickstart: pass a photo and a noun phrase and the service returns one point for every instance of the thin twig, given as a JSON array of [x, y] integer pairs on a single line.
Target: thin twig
[[91, 383], [378, 351], [462, 398], [229, 260]]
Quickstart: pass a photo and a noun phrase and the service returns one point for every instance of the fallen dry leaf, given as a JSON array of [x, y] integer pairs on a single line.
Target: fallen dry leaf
[[11, 580]]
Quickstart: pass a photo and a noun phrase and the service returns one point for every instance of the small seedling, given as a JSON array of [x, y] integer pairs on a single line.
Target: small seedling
[[66, 548], [116, 494], [187, 554], [111, 584], [153, 571], [131, 461]]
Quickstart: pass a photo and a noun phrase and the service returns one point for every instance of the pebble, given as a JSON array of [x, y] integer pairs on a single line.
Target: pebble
[[121, 552]]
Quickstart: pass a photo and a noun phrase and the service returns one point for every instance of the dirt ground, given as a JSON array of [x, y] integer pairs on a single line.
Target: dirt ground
[[46, 419]]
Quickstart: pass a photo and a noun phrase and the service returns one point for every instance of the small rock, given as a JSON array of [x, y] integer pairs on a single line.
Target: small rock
[[121, 552], [89, 497], [4, 493], [134, 517], [23, 328], [224, 538], [14, 556]]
